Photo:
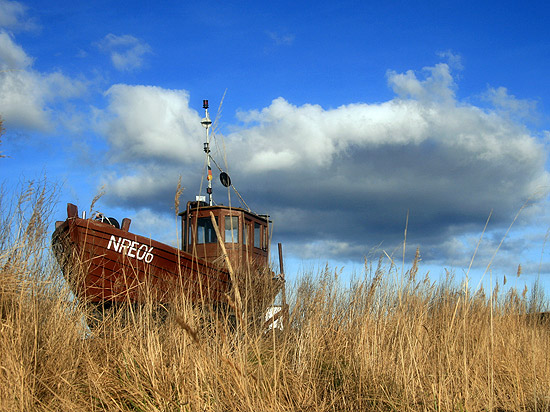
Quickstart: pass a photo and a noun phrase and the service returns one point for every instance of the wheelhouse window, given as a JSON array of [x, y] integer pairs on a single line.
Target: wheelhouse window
[[205, 231], [231, 229]]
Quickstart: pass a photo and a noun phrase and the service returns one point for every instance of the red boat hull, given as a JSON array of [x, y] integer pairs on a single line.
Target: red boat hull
[[104, 264]]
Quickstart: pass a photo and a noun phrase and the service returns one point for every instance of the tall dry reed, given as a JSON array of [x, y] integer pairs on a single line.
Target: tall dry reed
[[377, 344]]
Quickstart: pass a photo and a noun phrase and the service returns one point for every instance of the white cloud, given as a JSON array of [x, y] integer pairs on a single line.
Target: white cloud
[[25, 97], [12, 56], [22, 101], [509, 105], [144, 180], [288, 137], [145, 122], [12, 16], [150, 224], [126, 51], [454, 60], [438, 87], [25, 94]]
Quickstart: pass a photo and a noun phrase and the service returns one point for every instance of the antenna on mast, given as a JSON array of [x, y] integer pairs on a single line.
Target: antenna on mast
[[206, 123]]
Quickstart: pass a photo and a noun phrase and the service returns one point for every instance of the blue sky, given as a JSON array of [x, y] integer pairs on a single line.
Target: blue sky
[[340, 119]]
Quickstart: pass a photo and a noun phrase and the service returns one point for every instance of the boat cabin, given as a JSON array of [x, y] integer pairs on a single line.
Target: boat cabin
[[245, 234]]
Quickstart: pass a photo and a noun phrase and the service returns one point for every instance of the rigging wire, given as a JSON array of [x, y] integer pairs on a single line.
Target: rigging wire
[[222, 150]]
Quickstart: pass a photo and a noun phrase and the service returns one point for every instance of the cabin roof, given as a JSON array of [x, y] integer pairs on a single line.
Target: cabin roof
[[194, 206]]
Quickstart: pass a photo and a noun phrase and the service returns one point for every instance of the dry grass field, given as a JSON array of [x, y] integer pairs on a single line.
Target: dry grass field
[[382, 343]]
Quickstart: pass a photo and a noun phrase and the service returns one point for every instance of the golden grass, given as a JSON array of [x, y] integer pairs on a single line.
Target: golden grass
[[377, 344]]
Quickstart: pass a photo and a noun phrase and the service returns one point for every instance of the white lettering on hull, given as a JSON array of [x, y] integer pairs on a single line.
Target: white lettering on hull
[[133, 249]]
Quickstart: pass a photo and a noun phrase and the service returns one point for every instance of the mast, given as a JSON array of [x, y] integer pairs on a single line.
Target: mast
[[206, 123]]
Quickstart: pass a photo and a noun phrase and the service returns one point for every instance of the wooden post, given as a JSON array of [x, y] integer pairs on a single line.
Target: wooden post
[[284, 308], [238, 300], [281, 264], [222, 246]]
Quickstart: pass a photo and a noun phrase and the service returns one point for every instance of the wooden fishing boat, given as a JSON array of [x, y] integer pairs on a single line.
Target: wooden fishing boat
[[106, 264]]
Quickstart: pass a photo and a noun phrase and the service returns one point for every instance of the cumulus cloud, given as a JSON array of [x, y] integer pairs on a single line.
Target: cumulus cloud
[[359, 168], [309, 135], [454, 60], [25, 94], [126, 51], [12, 56], [509, 105], [437, 87], [340, 182], [150, 123], [12, 16]]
